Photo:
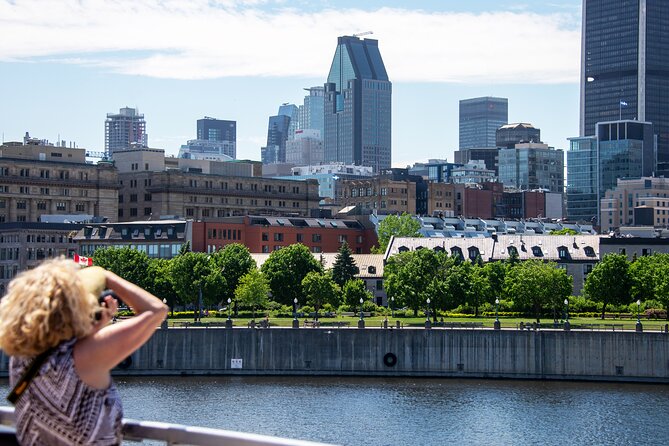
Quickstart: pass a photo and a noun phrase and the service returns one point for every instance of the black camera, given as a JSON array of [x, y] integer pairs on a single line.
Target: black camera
[[101, 301]]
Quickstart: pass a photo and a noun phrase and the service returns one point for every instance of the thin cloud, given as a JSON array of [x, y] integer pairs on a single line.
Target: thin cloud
[[200, 39]]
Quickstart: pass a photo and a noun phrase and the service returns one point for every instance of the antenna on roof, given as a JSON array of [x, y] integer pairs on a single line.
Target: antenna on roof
[[366, 33]]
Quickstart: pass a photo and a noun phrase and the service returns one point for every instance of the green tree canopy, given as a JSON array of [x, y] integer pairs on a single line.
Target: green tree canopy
[[393, 225], [285, 269], [320, 289], [193, 272], [353, 291], [234, 261], [609, 282], [128, 263], [534, 284], [413, 276], [160, 278], [564, 231], [253, 290], [344, 268]]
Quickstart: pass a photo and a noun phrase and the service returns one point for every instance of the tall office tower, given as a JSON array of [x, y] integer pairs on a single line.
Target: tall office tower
[[125, 130], [511, 134], [293, 112], [277, 135], [357, 115], [305, 149], [479, 120], [620, 149], [311, 113], [625, 67], [489, 155], [219, 130], [530, 166]]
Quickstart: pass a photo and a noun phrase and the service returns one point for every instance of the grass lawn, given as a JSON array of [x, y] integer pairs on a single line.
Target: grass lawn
[[377, 321]]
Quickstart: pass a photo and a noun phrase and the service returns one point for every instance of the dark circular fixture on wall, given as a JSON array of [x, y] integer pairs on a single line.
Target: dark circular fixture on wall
[[389, 359]]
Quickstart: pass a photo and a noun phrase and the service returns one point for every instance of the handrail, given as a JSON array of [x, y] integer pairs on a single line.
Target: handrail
[[172, 434]]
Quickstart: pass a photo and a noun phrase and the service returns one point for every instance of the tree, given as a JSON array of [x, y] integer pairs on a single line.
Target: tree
[[609, 282], [320, 289], [285, 269], [234, 262], [495, 273], [253, 290], [193, 274], [185, 248], [128, 263], [563, 231], [353, 291], [413, 276], [344, 268], [534, 284], [650, 279], [399, 226], [161, 285]]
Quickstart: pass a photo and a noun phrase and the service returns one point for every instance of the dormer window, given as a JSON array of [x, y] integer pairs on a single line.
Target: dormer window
[[473, 252], [512, 250], [456, 252], [438, 249], [589, 251], [135, 232], [403, 249], [536, 250], [371, 269], [563, 252]]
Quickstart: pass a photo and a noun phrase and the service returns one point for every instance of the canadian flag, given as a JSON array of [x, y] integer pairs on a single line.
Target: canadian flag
[[83, 261]]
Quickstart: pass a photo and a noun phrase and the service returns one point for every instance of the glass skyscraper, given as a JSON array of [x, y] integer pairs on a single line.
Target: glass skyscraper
[[215, 135], [625, 67], [582, 196], [479, 120], [357, 115]]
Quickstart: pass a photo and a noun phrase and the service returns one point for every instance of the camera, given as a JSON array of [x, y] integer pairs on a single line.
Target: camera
[[101, 301]]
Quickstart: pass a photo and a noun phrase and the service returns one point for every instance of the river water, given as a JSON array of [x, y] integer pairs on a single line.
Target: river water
[[402, 411]]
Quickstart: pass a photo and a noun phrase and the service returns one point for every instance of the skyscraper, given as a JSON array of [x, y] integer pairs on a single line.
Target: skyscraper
[[357, 116], [216, 138], [277, 135], [625, 67], [311, 113], [125, 130], [479, 120]]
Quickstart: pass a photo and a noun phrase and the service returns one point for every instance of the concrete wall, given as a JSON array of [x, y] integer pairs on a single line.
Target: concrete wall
[[614, 356]]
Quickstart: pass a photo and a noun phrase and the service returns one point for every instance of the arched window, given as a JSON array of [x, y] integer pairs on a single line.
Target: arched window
[[457, 252], [473, 252], [512, 251], [536, 250], [402, 249]]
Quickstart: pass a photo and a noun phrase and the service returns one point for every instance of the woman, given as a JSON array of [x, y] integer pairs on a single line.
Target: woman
[[52, 312]]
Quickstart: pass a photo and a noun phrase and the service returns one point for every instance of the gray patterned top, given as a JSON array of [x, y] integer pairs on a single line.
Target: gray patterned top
[[57, 408]]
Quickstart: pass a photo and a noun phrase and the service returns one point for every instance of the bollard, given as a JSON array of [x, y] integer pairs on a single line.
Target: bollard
[[228, 323], [497, 325], [296, 323], [361, 323], [522, 326], [398, 324], [428, 324], [385, 323]]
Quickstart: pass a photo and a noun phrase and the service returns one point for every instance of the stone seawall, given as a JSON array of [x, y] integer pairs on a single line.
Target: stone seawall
[[575, 355]]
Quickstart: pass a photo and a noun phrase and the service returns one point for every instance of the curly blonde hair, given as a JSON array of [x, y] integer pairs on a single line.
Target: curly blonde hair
[[43, 307]]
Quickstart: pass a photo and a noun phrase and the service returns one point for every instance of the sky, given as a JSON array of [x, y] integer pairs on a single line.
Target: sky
[[65, 64]]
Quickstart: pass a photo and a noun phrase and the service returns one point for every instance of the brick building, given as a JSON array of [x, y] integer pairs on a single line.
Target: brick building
[[262, 234]]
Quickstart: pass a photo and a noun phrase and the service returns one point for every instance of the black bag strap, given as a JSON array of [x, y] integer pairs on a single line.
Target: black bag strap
[[28, 375]]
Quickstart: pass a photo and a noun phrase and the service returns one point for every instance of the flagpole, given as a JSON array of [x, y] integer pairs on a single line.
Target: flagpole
[[620, 110]]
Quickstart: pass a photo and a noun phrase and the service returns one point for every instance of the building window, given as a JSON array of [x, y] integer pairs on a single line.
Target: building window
[[563, 252], [80, 207], [343, 238], [147, 197], [133, 198], [147, 211], [299, 238], [265, 236], [316, 238], [133, 212], [316, 249], [278, 237], [190, 212]]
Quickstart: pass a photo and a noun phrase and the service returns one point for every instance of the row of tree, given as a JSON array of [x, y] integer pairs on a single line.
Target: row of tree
[[290, 275]]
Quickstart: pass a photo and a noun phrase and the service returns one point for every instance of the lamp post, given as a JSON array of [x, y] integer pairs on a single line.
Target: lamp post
[[567, 326], [639, 327], [428, 324], [164, 323], [392, 306], [361, 322], [497, 325], [296, 323], [228, 323]]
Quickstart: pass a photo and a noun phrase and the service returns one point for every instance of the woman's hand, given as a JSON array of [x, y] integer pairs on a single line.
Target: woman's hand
[[108, 309]]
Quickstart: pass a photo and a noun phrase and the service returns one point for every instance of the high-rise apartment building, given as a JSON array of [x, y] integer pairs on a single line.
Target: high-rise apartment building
[[357, 116], [625, 67], [479, 120], [124, 130], [511, 134]]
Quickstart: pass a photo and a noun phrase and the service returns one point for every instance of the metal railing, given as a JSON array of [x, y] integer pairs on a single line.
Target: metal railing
[[178, 434]]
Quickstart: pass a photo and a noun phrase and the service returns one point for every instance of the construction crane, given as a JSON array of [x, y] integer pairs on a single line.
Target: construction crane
[[366, 33]]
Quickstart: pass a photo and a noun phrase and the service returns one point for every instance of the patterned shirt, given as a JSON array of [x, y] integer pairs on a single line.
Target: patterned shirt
[[57, 408]]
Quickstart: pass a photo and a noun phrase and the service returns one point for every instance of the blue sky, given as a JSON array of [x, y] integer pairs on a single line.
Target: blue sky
[[64, 65]]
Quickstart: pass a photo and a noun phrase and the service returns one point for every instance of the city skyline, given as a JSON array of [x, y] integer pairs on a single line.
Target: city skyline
[[60, 86]]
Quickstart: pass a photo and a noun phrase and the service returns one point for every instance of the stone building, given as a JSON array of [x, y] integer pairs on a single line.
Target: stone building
[[40, 180]]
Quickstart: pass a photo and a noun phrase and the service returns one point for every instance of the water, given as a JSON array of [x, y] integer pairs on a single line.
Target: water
[[373, 411]]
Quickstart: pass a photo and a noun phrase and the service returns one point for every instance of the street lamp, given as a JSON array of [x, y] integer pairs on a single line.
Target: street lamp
[[361, 322], [392, 306], [229, 308], [296, 323], [567, 326], [164, 323], [361, 315], [639, 327], [497, 325], [427, 314]]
